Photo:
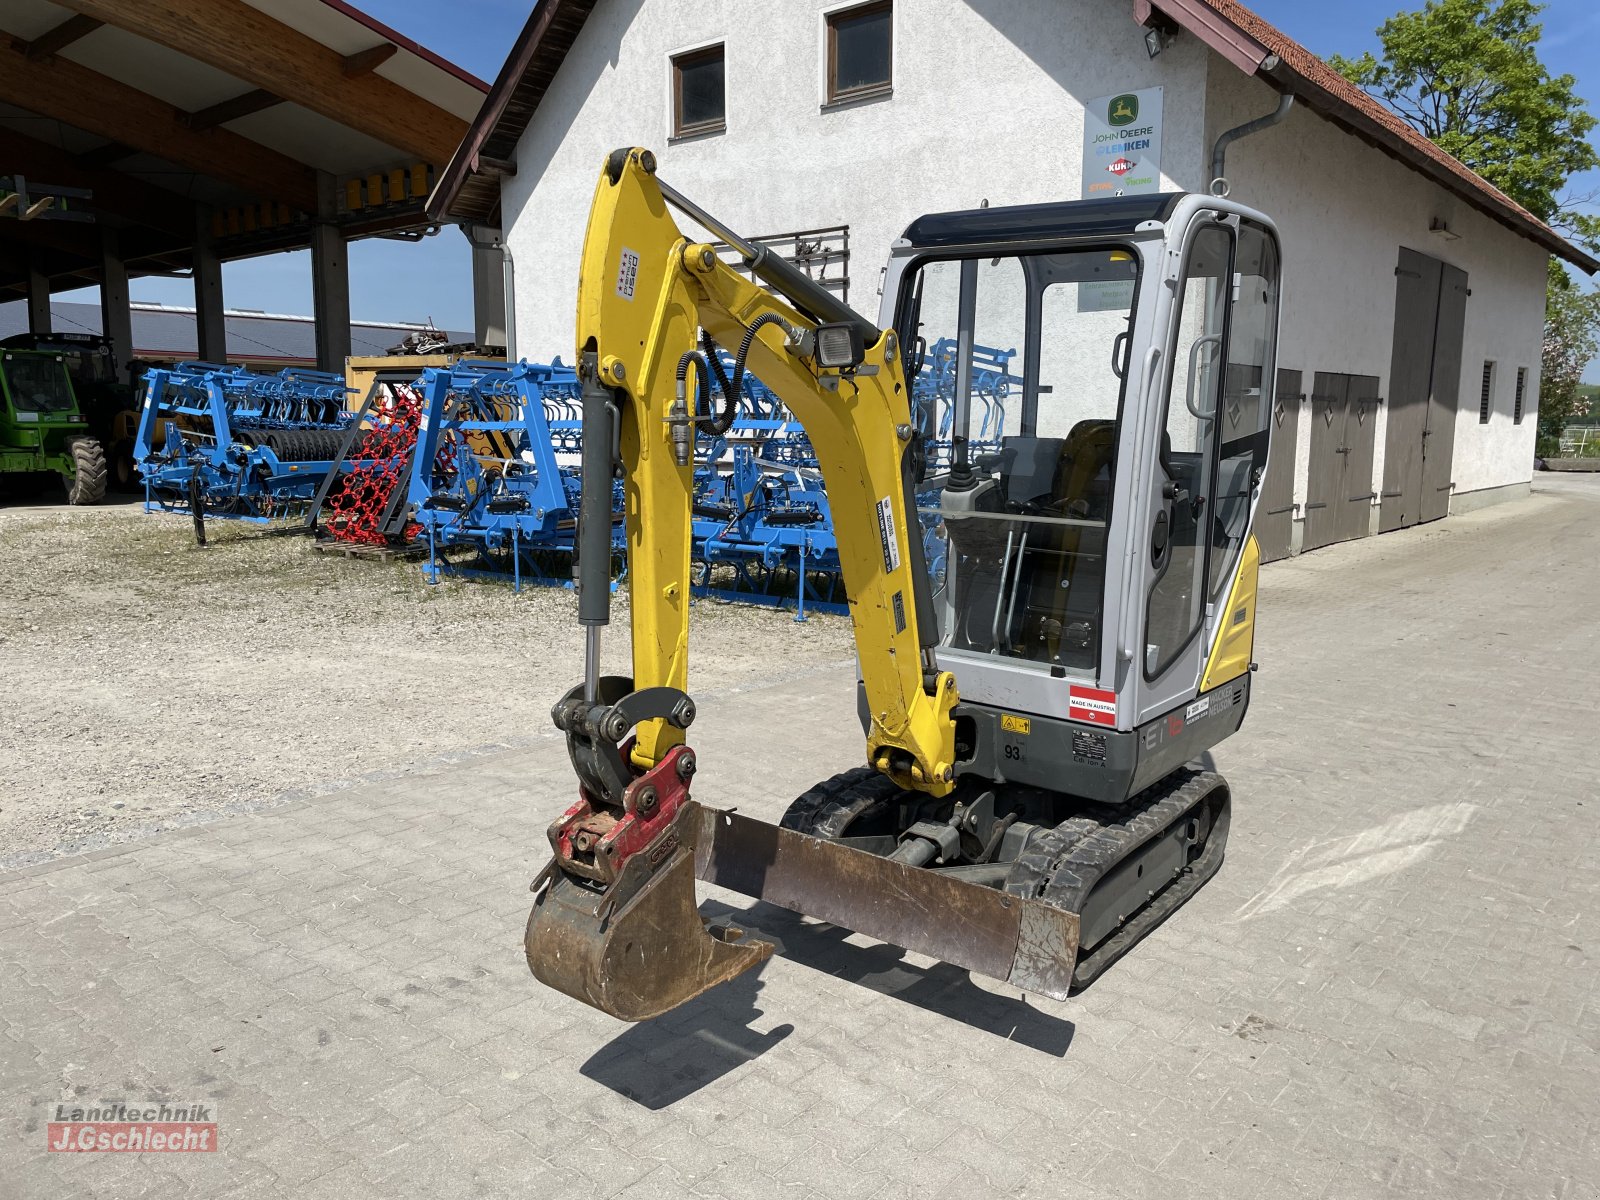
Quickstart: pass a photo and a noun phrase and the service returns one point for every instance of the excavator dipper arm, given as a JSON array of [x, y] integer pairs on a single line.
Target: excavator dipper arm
[[615, 923]]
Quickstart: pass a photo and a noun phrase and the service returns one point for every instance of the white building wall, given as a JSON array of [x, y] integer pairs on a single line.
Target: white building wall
[[988, 105], [1344, 209]]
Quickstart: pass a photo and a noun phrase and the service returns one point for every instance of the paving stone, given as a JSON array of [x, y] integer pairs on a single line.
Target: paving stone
[[1389, 989]]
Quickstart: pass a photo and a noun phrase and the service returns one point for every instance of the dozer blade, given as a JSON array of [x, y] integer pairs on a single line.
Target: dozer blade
[[638, 948], [1022, 941]]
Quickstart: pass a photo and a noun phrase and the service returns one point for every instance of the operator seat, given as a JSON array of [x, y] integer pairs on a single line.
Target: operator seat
[[1063, 572]]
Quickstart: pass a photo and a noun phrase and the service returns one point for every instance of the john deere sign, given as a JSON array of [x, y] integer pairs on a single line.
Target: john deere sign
[[1123, 110], [1122, 144], [1121, 157]]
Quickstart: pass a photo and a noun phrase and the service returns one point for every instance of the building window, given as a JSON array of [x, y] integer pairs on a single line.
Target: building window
[[699, 92], [1486, 399], [860, 42], [1522, 392]]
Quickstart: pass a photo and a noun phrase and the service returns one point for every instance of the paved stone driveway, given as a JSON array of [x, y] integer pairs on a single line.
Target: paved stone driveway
[[1389, 989]]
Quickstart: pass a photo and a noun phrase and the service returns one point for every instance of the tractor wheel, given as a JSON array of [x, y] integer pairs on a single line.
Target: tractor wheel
[[88, 485], [125, 475]]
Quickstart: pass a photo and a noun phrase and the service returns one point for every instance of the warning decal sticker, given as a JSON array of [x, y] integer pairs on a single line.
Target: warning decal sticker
[[1094, 705], [886, 534]]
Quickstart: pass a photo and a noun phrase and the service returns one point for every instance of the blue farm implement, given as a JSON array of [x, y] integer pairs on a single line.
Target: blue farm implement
[[763, 534], [933, 390], [496, 470], [762, 531], [225, 442]]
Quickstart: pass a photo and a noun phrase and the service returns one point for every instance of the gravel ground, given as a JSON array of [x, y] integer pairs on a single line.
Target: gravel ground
[[156, 683]]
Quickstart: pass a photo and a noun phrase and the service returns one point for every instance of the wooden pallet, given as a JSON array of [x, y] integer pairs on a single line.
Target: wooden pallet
[[370, 553]]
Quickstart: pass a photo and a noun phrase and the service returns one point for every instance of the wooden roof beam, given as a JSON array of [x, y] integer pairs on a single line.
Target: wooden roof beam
[[250, 45], [102, 106], [231, 110], [365, 62], [52, 41]]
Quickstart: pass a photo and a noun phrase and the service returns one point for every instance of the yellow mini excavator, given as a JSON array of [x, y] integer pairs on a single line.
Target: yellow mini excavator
[[1054, 623]]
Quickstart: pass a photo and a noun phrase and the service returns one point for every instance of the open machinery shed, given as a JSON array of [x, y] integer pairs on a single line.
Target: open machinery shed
[[146, 137]]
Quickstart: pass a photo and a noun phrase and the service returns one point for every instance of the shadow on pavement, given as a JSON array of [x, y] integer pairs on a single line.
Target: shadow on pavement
[[941, 988], [657, 1063]]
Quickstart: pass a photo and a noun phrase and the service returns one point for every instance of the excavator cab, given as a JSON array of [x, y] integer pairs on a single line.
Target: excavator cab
[[1090, 531], [1042, 462]]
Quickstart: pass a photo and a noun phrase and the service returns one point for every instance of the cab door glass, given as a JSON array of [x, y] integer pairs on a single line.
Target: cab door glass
[[1186, 455], [1246, 400], [1017, 365]]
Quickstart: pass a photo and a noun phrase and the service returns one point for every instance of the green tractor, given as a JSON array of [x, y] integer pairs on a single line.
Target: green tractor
[[109, 406], [41, 427]]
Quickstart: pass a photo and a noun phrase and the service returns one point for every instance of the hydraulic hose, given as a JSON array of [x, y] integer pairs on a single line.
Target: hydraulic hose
[[702, 381], [723, 422], [732, 388], [766, 318]]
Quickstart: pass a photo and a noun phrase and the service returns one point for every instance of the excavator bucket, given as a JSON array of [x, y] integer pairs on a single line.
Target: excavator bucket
[[636, 950], [639, 948]]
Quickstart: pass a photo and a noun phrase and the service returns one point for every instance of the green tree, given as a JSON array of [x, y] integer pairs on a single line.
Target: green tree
[[1466, 74], [1571, 340]]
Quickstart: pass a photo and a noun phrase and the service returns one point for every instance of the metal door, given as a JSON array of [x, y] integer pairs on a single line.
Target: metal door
[[1325, 476], [1275, 520], [1357, 450], [1411, 368], [1444, 399]]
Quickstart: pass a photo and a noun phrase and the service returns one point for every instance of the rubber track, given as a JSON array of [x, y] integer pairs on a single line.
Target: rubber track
[[827, 809], [1063, 866]]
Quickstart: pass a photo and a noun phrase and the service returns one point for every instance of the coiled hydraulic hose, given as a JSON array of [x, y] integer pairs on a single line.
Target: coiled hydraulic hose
[[723, 422], [766, 318], [733, 388]]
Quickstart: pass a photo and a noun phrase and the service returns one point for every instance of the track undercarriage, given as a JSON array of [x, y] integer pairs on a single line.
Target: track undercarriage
[[1120, 869], [1020, 884]]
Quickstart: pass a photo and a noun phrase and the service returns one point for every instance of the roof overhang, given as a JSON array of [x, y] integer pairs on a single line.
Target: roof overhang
[[469, 187], [1259, 49], [265, 116]]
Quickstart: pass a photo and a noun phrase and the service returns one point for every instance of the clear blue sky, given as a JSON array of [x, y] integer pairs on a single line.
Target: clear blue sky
[[413, 282]]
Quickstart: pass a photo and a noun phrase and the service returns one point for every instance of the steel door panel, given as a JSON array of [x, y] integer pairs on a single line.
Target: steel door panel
[[1444, 401], [1275, 517], [1416, 319], [1325, 477], [1360, 444]]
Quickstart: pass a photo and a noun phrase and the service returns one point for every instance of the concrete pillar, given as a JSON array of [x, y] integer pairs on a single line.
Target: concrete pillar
[[210, 321], [330, 280], [489, 326], [38, 300], [116, 318]]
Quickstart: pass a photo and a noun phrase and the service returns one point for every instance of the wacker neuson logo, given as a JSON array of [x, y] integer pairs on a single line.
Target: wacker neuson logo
[[132, 1127]]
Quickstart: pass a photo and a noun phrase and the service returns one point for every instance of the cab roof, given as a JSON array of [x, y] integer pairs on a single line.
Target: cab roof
[[1042, 222]]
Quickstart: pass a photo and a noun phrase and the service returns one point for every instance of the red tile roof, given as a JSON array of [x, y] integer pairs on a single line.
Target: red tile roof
[[1230, 28]]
